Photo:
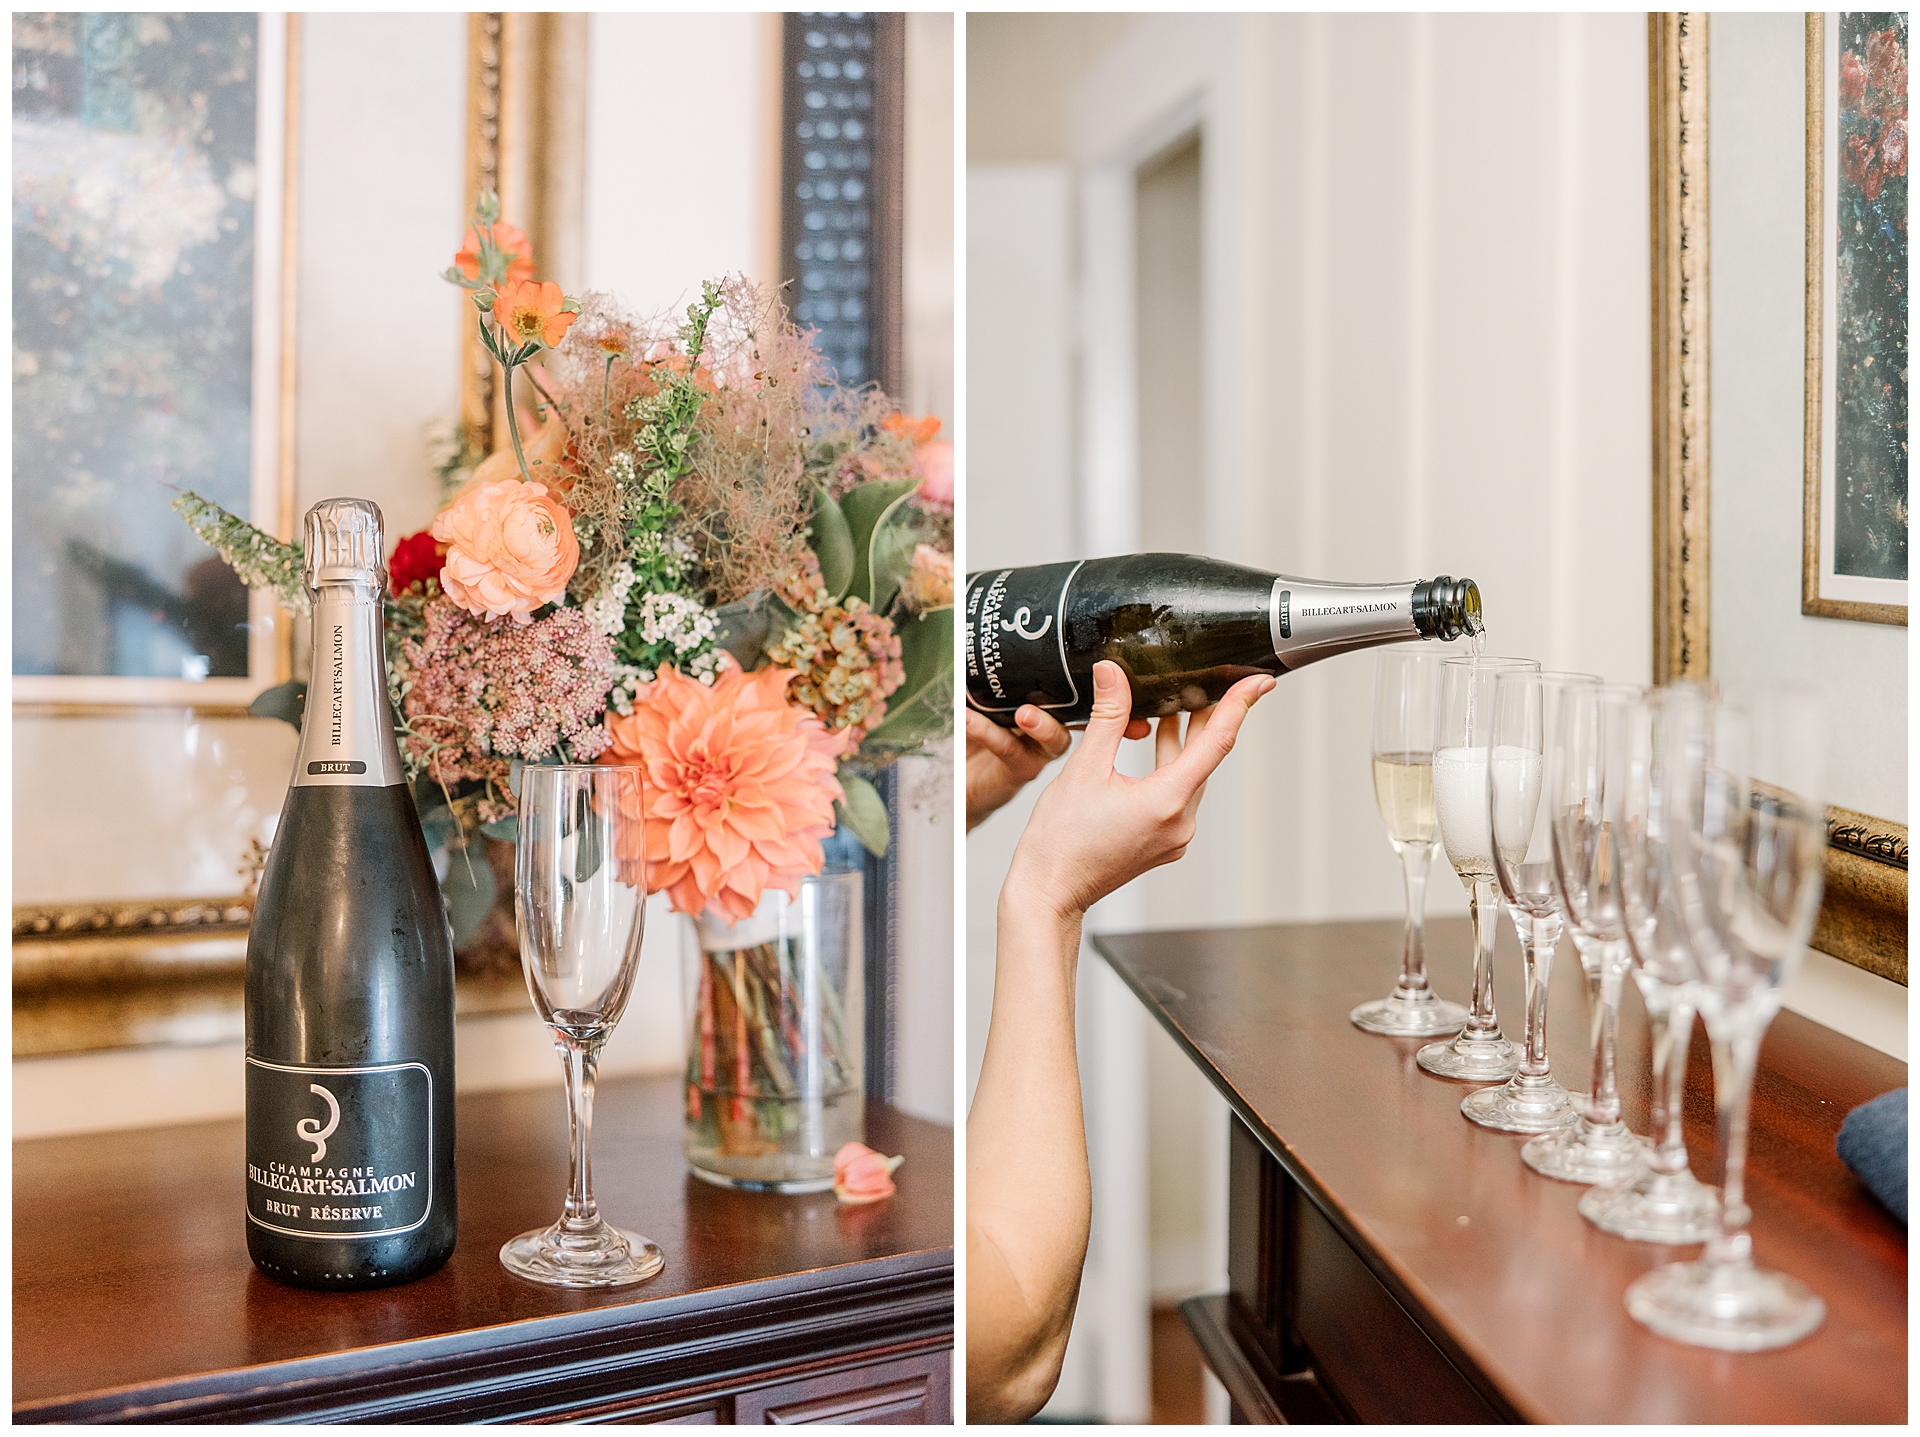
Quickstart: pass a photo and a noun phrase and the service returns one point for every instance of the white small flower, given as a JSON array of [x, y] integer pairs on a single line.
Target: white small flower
[[607, 610], [676, 620]]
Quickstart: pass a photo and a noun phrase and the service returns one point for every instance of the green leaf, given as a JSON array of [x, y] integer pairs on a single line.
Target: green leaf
[[892, 557], [865, 812], [868, 507], [741, 628], [832, 542], [286, 702], [921, 709], [507, 829], [468, 889]]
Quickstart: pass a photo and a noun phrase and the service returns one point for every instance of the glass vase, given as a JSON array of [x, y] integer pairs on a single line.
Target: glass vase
[[776, 1060]]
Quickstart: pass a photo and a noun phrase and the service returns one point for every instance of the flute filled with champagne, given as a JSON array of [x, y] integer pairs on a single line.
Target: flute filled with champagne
[[1184, 628]]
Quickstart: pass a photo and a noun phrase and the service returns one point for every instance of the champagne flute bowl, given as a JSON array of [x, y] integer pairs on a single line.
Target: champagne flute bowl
[[1588, 777], [1481, 1053], [582, 889], [1406, 711], [1525, 726], [1748, 879], [1666, 1203]]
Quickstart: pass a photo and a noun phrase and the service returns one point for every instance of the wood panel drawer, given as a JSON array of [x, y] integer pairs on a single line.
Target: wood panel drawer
[[1370, 1356], [905, 1390]]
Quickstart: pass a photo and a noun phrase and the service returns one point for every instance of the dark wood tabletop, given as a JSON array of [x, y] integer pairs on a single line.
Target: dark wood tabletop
[[1494, 1262], [134, 1298]]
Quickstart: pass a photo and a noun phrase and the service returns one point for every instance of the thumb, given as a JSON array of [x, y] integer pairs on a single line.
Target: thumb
[[1112, 703]]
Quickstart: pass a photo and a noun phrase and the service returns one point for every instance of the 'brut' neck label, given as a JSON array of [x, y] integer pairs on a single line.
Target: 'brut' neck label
[[339, 1152]]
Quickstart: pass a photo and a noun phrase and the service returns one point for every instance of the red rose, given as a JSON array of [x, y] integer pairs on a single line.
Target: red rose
[[1860, 162], [416, 557], [1893, 148], [1853, 81], [1887, 67]]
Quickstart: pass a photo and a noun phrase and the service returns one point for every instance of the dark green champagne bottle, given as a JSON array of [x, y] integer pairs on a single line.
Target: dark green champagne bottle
[[349, 994], [1183, 627]]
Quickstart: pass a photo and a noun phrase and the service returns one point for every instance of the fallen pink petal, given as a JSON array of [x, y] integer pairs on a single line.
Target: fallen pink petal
[[862, 1175]]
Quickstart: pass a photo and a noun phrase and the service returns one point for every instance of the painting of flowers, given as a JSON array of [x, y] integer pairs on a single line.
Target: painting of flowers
[[135, 186], [1857, 539]]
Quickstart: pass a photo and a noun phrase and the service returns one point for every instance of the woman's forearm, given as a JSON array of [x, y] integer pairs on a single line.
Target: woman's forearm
[[1029, 1199]]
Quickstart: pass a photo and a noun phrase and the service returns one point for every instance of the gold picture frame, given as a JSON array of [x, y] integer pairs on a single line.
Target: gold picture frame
[[1863, 913], [1817, 439]]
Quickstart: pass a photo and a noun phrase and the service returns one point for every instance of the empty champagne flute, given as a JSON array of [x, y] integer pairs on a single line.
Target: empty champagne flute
[[1665, 1203], [1748, 880], [1481, 1053], [1587, 783], [580, 876], [1526, 725], [1406, 713]]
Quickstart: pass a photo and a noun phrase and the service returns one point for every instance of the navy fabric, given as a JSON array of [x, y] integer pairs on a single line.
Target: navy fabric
[[1873, 1142]]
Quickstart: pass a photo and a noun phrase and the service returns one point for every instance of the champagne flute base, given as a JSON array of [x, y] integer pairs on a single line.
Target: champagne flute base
[[1673, 1208], [1521, 1105], [1409, 1016], [1584, 1153], [1472, 1058], [582, 1255], [1733, 1306]]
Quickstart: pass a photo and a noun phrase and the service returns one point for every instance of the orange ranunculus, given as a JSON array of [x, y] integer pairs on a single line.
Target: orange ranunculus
[[739, 785], [532, 312], [509, 241], [918, 430], [510, 549], [862, 1175]]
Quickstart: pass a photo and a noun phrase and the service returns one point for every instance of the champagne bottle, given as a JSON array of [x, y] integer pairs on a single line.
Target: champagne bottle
[[1183, 627], [349, 989]]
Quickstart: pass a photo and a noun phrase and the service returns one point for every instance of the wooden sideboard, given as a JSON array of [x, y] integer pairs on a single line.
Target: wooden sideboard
[[1391, 1262], [134, 1300]]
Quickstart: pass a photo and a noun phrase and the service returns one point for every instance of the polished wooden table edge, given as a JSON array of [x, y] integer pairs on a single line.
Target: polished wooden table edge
[[912, 1292], [1421, 1305]]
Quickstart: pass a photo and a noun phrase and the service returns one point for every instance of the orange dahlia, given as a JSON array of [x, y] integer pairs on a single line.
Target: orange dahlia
[[739, 788]]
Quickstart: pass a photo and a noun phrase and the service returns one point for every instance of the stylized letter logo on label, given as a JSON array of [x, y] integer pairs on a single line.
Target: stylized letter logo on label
[[1022, 617], [310, 1130]]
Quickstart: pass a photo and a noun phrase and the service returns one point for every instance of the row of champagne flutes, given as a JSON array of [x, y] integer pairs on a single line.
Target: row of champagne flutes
[[1675, 838]]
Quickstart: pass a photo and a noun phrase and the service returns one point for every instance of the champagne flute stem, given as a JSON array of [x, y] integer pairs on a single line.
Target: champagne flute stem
[[1486, 918], [1538, 940], [1415, 859], [581, 1060], [1735, 1054], [1603, 994], [1672, 1154]]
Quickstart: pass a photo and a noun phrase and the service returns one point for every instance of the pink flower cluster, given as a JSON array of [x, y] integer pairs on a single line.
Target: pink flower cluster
[[488, 691]]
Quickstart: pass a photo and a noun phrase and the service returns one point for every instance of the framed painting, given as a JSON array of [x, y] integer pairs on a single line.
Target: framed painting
[[152, 351], [1854, 546]]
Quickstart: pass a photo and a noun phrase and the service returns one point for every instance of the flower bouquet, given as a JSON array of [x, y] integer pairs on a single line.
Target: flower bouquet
[[697, 554]]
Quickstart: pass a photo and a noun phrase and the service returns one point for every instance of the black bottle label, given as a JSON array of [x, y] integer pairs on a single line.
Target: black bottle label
[[339, 1152], [1016, 639]]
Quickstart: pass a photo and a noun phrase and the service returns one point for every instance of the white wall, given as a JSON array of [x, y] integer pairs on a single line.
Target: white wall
[[1425, 302], [683, 160], [1757, 172]]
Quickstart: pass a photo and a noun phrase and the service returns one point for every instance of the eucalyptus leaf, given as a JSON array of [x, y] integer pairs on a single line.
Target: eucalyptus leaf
[[468, 890], [832, 542], [864, 812], [506, 830], [286, 702], [921, 709], [868, 507]]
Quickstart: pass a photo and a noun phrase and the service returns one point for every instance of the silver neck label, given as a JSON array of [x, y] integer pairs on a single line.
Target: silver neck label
[[1313, 621], [347, 737]]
